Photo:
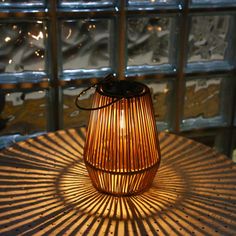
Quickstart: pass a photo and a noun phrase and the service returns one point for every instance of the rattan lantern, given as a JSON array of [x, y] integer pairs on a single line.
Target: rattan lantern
[[121, 151]]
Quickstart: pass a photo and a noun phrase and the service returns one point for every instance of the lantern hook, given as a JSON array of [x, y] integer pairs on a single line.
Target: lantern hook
[[106, 79]]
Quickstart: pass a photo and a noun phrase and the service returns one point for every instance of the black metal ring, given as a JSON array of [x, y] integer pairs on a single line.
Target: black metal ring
[[107, 78]]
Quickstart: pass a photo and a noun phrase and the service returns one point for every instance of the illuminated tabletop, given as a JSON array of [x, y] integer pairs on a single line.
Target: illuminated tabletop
[[45, 190]]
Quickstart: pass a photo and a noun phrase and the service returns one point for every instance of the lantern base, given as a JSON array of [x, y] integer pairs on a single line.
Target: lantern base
[[122, 184]]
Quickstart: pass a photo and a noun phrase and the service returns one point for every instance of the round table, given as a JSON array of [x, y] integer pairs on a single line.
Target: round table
[[45, 190]]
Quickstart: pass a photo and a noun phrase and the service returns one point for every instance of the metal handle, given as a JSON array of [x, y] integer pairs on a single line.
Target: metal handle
[[107, 78]]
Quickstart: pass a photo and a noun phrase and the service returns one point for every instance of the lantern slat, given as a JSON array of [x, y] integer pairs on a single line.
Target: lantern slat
[[122, 150]]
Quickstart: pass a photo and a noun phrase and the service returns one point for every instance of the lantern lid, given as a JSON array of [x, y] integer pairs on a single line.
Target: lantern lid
[[122, 88]]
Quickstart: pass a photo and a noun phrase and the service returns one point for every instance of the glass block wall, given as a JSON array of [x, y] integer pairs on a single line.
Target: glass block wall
[[185, 51]]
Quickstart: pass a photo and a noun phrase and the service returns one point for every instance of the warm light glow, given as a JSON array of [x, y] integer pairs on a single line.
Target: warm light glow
[[122, 152], [122, 119], [149, 28], [7, 39], [37, 37], [46, 190], [166, 90], [91, 27], [69, 33]]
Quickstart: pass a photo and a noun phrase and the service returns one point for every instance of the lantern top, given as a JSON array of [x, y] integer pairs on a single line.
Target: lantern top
[[122, 89]]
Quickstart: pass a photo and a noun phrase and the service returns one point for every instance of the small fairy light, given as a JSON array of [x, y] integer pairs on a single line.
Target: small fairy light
[[166, 90], [149, 27], [69, 33], [7, 39], [37, 53], [37, 37], [91, 27]]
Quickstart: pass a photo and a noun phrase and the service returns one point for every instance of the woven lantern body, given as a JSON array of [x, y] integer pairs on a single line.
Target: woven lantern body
[[122, 152]]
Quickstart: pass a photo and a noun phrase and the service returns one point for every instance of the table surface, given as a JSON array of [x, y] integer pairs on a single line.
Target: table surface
[[45, 190]]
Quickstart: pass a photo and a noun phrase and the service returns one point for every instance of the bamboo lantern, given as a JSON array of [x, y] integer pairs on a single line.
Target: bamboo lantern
[[122, 151]]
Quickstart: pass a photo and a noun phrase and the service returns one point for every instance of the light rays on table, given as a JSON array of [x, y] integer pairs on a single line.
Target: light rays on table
[[45, 190]]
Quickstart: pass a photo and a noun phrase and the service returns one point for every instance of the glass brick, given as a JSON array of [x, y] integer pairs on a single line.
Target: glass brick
[[22, 3], [204, 3], [72, 116], [216, 138], [86, 45], [161, 93], [209, 41], [86, 3], [23, 112], [22, 47], [222, 141], [207, 103], [206, 139], [148, 41], [148, 3]]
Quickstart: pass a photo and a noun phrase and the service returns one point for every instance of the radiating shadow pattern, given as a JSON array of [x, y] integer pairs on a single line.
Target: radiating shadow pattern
[[45, 190]]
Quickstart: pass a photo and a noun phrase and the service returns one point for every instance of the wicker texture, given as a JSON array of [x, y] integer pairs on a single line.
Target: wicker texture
[[122, 151]]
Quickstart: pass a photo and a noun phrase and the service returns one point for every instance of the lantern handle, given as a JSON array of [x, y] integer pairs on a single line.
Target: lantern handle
[[107, 78]]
